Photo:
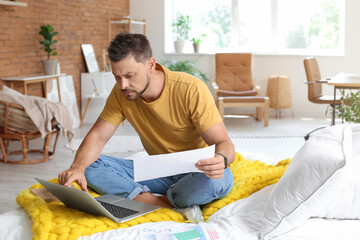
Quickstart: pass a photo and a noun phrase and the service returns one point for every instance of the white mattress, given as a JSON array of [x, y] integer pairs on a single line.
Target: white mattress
[[239, 220]]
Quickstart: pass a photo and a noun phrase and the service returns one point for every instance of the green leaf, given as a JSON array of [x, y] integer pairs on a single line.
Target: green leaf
[[349, 110], [187, 66], [181, 26], [48, 33]]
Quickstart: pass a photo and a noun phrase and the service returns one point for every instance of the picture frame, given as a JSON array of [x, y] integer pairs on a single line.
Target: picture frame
[[90, 58]]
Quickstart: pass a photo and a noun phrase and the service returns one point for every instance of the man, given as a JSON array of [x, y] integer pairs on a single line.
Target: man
[[171, 112]]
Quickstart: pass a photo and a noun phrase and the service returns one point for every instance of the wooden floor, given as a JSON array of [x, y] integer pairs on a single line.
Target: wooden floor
[[15, 178]]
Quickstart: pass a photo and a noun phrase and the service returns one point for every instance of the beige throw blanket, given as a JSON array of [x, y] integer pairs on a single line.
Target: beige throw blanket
[[41, 111]]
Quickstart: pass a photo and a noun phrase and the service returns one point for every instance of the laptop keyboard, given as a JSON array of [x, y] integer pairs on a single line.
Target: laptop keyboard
[[117, 211]]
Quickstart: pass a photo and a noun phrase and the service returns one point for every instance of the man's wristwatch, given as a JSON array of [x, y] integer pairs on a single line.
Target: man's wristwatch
[[225, 159]]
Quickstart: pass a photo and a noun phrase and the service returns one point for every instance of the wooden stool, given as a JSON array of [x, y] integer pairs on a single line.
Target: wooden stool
[[261, 104], [84, 113], [279, 92], [89, 97]]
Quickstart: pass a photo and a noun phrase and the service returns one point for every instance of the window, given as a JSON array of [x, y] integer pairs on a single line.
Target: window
[[266, 26]]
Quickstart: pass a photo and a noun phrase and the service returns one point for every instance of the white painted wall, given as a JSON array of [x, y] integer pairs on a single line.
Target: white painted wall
[[264, 65]]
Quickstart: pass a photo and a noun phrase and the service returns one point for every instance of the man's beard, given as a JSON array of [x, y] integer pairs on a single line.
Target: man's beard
[[138, 94]]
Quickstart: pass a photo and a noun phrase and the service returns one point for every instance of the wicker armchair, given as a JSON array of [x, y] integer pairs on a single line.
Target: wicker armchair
[[15, 125]]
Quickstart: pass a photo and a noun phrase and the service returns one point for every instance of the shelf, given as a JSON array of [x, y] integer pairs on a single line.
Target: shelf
[[13, 3], [128, 22]]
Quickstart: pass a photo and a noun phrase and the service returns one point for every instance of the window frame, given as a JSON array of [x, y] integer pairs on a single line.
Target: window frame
[[171, 12]]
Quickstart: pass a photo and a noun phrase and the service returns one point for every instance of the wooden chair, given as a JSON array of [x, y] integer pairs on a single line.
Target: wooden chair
[[16, 125], [314, 82], [235, 87]]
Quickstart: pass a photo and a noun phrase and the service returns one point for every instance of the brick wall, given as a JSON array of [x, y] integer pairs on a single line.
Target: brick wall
[[77, 21]]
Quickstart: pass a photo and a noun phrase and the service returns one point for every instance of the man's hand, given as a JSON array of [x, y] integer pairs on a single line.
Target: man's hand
[[70, 175], [212, 167]]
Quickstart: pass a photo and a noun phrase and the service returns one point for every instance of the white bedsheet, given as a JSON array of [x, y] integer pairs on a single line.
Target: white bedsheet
[[242, 220], [239, 220], [15, 225]]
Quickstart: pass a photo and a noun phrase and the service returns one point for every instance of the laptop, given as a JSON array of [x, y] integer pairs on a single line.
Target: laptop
[[116, 208]]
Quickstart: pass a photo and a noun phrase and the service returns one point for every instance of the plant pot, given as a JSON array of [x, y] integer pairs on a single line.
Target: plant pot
[[179, 46], [49, 66], [196, 48]]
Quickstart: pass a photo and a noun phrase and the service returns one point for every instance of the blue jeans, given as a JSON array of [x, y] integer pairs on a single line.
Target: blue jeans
[[116, 176]]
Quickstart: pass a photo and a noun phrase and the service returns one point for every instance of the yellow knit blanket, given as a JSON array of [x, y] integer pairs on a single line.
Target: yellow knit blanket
[[55, 221]]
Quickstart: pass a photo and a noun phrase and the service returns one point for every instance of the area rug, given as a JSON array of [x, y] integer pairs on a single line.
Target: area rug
[[118, 144], [127, 140], [269, 132], [279, 128]]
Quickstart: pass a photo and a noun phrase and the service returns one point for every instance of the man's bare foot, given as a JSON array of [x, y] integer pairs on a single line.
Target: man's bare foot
[[165, 199], [149, 198]]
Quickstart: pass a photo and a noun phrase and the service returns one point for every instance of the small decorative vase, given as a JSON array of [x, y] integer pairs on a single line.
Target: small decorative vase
[[196, 48], [179, 46], [49, 66]]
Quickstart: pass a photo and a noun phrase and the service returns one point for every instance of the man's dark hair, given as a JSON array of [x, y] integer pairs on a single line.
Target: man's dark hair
[[125, 44]]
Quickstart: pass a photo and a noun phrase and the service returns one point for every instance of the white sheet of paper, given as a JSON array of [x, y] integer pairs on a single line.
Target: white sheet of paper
[[164, 165]]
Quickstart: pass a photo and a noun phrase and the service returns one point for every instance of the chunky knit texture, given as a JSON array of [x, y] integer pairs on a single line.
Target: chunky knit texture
[[55, 221]]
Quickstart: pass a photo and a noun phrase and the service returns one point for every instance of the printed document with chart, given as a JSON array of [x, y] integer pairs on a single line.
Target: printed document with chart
[[200, 231]]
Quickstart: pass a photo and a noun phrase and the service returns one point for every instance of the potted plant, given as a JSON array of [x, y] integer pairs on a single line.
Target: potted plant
[[181, 28], [196, 42], [349, 109], [187, 66], [48, 33]]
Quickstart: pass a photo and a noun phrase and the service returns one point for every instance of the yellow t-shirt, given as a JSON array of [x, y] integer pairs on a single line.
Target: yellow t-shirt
[[174, 121]]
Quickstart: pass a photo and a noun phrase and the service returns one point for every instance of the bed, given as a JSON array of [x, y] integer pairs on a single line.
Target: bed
[[316, 198]]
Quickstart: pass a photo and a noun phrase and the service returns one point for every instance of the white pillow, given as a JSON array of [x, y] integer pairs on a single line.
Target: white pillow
[[356, 141], [322, 180]]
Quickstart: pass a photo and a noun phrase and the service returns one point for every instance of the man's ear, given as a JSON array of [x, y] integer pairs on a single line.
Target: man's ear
[[151, 63]]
